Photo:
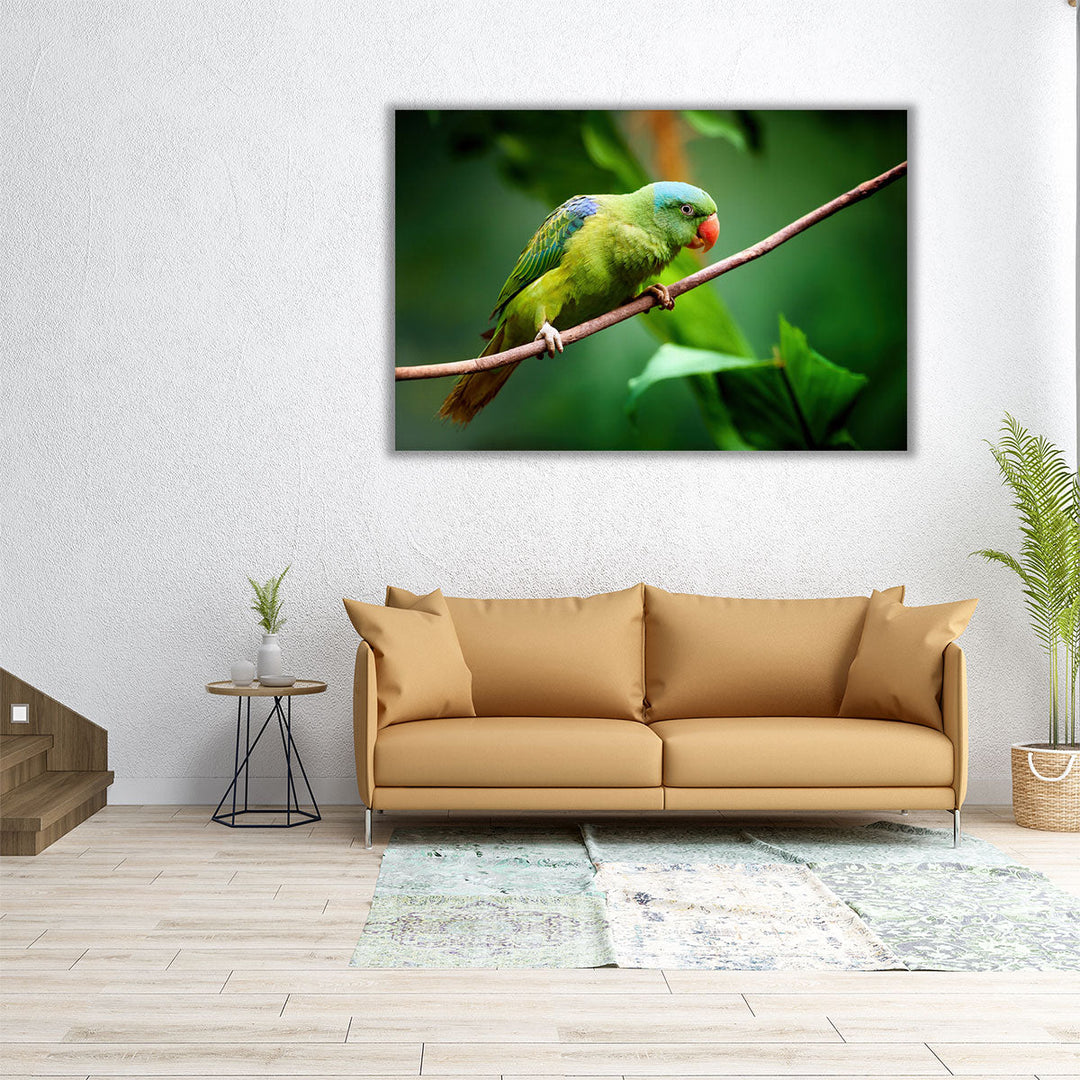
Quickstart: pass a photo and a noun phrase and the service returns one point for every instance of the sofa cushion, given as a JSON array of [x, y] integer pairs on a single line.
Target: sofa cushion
[[419, 669], [897, 671], [576, 656], [802, 752], [518, 751], [717, 656]]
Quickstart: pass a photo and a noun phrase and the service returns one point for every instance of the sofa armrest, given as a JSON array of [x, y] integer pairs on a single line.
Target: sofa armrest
[[954, 714], [365, 721]]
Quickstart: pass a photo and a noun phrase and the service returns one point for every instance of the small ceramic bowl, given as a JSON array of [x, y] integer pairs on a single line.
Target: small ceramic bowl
[[277, 680]]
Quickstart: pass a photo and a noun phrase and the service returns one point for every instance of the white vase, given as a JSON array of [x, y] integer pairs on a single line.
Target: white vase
[[269, 656]]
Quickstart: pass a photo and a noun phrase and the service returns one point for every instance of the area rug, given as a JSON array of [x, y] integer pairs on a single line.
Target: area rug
[[921, 904], [750, 917], [475, 897], [875, 897]]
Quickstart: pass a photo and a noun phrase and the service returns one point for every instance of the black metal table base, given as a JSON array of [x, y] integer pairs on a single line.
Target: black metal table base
[[294, 813]]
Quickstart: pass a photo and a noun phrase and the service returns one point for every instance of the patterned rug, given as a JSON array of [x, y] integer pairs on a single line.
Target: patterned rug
[[474, 897], [865, 898], [756, 916]]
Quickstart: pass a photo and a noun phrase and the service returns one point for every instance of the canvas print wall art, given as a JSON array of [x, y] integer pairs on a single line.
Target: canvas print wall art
[[519, 233]]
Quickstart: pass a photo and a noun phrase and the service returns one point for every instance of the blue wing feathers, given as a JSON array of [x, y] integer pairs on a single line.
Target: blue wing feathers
[[545, 250]]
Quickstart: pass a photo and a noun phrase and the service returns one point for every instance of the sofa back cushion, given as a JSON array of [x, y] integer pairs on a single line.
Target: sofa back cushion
[[717, 656], [419, 670], [575, 656]]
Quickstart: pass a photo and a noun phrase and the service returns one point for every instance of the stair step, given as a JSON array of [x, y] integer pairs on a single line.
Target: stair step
[[22, 757], [43, 801], [15, 749]]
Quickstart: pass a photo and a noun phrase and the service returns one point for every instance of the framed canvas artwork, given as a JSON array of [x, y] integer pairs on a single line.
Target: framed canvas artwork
[[763, 253]]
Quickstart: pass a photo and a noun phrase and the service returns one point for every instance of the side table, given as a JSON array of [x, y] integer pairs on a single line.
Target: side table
[[294, 813]]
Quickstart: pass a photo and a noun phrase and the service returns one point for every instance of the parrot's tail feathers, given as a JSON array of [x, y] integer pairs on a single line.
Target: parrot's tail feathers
[[472, 392]]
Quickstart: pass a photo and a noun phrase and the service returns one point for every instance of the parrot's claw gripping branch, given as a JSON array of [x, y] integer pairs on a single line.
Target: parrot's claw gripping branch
[[650, 298], [663, 296], [551, 338]]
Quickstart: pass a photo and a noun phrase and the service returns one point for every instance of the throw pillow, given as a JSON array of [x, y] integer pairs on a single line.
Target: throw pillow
[[896, 673], [419, 670]]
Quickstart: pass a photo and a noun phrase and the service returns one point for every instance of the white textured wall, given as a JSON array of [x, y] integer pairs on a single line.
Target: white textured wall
[[195, 267]]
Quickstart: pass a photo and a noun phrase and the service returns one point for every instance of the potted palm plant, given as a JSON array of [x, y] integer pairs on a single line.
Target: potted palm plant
[[1046, 496], [267, 606]]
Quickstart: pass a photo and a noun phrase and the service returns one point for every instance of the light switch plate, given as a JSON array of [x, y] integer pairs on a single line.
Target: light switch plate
[[20, 714]]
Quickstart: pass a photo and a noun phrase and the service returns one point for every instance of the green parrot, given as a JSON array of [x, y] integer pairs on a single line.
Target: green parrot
[[590, 255]]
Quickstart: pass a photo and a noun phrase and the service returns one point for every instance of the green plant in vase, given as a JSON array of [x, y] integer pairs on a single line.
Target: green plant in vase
[[267, 606], [1046, 497]]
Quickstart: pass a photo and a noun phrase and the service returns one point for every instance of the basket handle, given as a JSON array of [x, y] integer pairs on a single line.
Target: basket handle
[[1050, 779]]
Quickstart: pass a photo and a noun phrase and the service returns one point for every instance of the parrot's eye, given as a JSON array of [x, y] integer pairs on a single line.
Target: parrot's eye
[[687, 209]]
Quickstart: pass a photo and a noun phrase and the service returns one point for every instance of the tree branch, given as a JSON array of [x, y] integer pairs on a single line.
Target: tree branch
[[644, 303]]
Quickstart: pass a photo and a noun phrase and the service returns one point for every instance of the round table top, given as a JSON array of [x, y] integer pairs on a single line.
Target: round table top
[[301, 686]]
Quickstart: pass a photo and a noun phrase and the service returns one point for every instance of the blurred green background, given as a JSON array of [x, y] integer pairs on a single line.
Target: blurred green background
[[472, 187]]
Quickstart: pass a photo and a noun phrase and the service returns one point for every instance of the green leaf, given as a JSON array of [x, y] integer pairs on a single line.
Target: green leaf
[[1004, 558], [268, 602], [609, 150], [825, 392], [725, 435], [798, 401], [699, 365], [736, 126]]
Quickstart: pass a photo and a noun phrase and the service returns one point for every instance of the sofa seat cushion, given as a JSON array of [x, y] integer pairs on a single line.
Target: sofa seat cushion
[[802, 752], [518, 751]]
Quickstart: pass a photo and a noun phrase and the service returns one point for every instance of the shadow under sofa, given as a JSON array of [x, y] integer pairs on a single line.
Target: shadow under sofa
[[649, 700]]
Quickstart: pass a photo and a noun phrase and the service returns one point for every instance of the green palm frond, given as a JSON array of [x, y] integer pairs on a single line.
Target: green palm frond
[[1046, 497], [1004, 558], [1040, 483], [268, 602]]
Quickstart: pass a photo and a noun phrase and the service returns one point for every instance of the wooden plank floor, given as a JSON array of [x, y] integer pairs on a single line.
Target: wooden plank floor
[[152, 942]]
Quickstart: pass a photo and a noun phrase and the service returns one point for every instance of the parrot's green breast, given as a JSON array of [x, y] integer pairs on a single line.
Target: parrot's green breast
[[605, 263]]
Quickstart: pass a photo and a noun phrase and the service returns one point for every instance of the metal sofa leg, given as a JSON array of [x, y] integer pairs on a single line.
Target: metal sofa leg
[[367, 827], [956, 835]]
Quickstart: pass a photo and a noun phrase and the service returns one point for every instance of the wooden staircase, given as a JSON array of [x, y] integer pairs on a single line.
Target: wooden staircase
[[53, 770]]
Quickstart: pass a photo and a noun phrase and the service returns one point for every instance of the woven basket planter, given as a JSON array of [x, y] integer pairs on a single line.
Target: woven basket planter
[[1046, 788]]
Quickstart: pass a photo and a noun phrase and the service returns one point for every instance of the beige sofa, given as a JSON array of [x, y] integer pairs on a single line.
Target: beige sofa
[[650, 700]]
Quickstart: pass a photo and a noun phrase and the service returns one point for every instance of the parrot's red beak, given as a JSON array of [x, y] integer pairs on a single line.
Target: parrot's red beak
[[707, 233]]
